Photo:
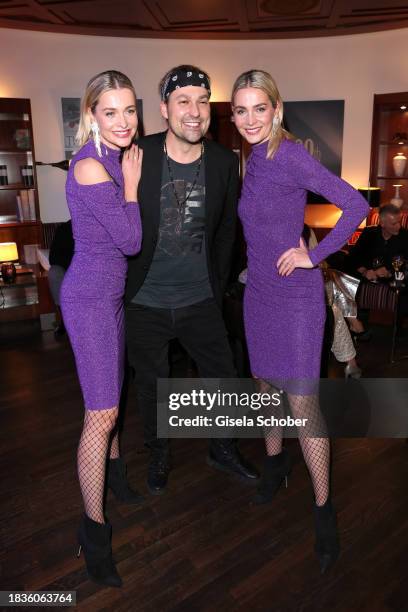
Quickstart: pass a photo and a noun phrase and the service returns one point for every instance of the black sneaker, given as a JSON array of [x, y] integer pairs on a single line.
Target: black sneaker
[[226, 457], [158, 470]]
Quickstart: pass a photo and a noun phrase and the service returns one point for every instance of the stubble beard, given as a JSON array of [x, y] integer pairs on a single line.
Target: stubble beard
[[185, 138]]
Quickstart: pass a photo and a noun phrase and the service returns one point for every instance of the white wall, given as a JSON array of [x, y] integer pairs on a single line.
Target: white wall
[[46, 67]]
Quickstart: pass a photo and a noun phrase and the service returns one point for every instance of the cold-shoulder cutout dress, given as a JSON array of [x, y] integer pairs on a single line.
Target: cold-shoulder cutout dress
[[106, 229]]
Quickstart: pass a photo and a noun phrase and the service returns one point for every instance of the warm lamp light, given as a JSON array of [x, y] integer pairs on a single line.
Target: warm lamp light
[[371, 194], [8, 254]]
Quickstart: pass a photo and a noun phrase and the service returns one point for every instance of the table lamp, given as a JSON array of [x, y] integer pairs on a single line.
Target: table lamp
[[8, 254], [371, 194]]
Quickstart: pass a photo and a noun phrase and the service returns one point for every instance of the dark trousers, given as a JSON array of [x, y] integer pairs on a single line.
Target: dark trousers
[[200, 330]]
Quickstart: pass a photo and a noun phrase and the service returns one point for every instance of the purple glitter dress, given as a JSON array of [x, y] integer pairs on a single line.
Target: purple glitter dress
[[106, 228], [284, 316]]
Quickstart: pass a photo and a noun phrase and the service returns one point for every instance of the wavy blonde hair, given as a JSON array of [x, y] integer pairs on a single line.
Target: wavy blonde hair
[[98, 85], [259, 79]]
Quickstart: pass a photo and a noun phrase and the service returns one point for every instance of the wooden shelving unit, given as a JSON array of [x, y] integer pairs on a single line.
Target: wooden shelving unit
[[389, 137], [20, 224]]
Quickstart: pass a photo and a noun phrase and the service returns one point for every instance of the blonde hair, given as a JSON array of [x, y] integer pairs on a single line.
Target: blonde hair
[[98, 85], [259, 79]]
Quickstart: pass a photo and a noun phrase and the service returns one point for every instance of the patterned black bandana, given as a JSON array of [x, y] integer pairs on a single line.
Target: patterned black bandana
[[183, 78]]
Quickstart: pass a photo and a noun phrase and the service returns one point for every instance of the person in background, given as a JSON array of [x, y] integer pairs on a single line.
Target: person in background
[[340, 295], [102, 199], [371, 257], [343, 346], [61, 254], [284, 305]]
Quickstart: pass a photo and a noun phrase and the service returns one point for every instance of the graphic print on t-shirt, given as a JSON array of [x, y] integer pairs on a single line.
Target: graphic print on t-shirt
[[182, 225], [178, 272]]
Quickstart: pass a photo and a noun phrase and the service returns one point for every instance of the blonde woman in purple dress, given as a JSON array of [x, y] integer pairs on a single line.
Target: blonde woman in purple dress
[[102, 198], [284, 306]]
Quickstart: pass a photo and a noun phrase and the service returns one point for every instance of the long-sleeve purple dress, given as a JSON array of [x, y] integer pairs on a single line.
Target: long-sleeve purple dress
[[284, 316], [106, 228]]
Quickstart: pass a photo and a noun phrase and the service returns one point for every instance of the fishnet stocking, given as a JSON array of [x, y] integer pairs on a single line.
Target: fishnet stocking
[[314, 442], [312, 438], [273, 435], [92, 452], [114, 452]]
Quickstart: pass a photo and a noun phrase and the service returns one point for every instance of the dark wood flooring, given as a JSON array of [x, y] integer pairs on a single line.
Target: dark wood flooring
[[201, 546]]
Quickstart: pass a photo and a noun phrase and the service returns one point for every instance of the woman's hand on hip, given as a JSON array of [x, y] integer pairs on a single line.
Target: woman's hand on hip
[[294, 258], [132, 169]]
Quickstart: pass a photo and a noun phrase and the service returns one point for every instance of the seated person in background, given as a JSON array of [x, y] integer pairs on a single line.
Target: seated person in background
[[342, 347], [371, 256], [341, 291], [61, 253]]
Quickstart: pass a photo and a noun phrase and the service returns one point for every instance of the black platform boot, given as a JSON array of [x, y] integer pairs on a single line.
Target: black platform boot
[[95, 541], [117, 482], [276, 469], [327, 546]]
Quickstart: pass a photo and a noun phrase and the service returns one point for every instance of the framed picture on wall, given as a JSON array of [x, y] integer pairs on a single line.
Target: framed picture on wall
[[70, 121], [318, 125]]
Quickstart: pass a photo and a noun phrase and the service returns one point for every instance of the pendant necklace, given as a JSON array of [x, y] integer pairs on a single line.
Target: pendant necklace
[[182, 202]]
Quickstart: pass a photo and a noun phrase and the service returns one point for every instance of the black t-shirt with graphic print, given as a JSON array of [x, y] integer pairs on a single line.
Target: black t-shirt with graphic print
[[178, 275]]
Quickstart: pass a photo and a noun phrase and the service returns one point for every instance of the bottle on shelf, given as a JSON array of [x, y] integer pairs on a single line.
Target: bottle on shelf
[[3, 175], [27, 175]]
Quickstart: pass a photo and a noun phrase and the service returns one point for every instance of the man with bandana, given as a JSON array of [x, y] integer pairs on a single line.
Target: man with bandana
[[188, 197]]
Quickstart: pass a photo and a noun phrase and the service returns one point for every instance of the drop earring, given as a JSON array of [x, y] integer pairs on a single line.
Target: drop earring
[[275, 123], [96, 135]]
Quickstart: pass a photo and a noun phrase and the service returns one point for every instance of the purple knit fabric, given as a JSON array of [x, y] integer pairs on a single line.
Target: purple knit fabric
[[106, 228], [284, 316]]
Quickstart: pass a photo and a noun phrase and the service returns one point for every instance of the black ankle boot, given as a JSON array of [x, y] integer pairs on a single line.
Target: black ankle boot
[[117, 482], [276, 469], [327, 546], [95, 540]]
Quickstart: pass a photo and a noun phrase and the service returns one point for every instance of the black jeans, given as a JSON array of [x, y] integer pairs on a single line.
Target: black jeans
[[200, 330]]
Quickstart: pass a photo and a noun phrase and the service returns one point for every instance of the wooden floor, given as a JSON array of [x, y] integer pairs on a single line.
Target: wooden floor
[[201, 546]]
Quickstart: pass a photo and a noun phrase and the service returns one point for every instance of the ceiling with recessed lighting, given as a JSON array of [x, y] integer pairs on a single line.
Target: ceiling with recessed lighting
[[205, 19]]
